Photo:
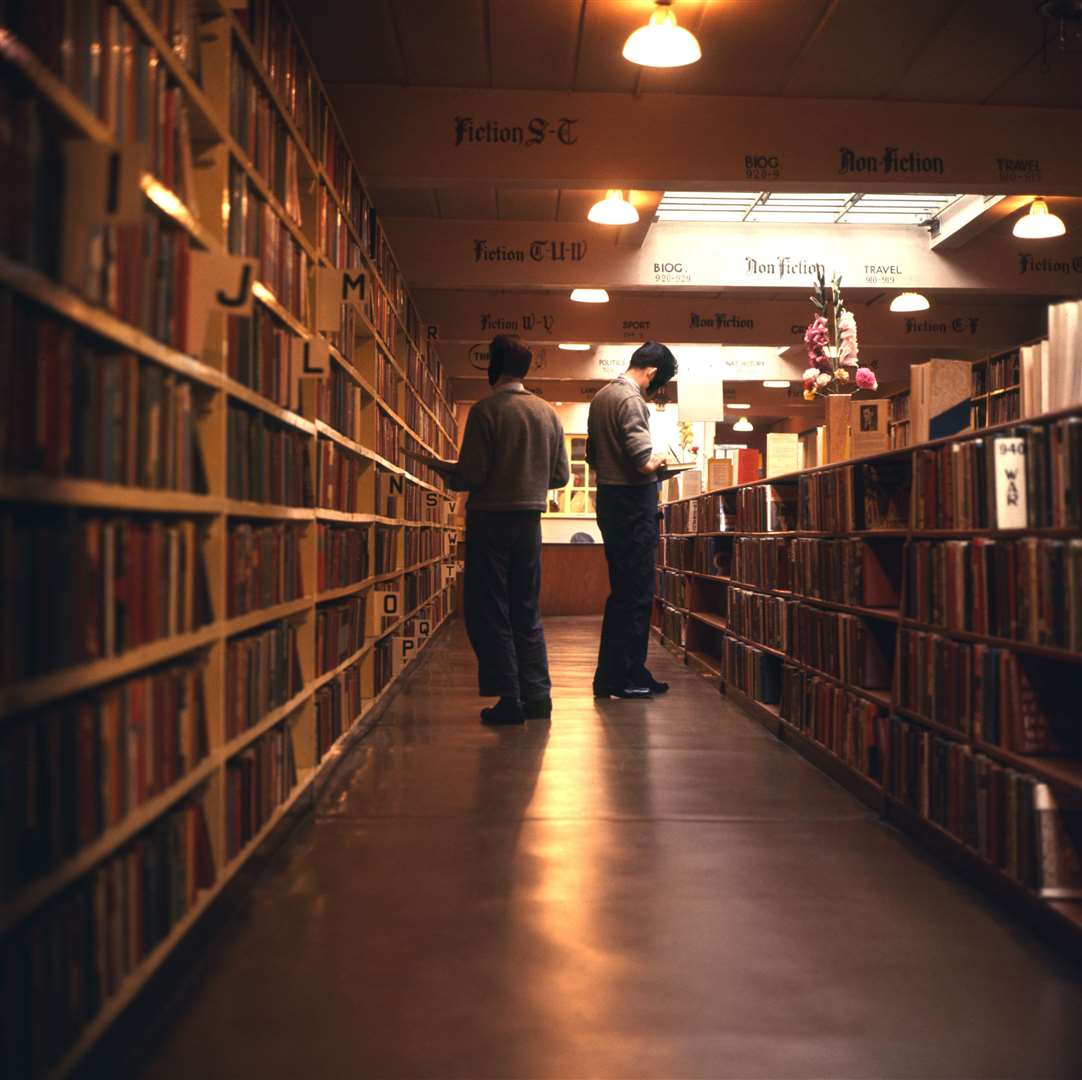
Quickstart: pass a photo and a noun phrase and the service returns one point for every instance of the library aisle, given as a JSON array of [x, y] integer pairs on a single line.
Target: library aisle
[[638, 890]]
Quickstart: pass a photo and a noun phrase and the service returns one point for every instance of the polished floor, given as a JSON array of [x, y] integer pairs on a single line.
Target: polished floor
[[638, 890]]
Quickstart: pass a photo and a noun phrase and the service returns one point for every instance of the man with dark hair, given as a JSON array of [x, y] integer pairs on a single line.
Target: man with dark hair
[[512, 454], [621, 452]]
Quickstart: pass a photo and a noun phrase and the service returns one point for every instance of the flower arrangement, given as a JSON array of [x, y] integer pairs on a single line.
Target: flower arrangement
[[833, 354]]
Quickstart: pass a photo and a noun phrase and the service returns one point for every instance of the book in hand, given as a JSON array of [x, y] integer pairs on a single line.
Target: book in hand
[[438, 464], [667, 471]]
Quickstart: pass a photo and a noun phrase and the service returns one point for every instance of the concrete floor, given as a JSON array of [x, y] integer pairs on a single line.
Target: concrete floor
[[640, 890]]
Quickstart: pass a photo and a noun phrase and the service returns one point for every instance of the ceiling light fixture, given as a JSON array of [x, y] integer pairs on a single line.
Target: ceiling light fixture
[[1039, 224], [574, 346], [661, 43], [776, 384], [613, 209], [909, 301], [743, 424], [739, 405], [590, 296]]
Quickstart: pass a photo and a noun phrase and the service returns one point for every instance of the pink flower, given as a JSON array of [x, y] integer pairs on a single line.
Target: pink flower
[[817, 335], [866, 379], [824, 363]]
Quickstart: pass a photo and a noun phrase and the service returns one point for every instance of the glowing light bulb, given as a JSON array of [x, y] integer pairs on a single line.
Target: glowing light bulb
[[661, 42], [1039, 224]]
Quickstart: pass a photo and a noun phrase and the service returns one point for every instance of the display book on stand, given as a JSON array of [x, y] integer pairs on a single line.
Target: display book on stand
[[211, 577], [912, 622]]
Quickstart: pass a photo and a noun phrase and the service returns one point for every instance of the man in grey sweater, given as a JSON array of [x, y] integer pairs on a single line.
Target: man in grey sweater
[[512, 454], [621, 452]]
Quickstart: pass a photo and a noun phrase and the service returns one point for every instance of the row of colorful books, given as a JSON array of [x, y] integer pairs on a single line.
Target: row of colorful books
[[339, 480], [852, 728], [255, 229], [71, 772], [386, 548], [263, 354], [751, 670], [341, 401], [702, 554], [389, 382], [284, 61], [64, 963], [715, 512], [72, 407], [421, 585], [1013, 821], [340, 631], [421, 544], [264, 566], [1028, 589], [1022, 703], [83, 587], [268, 462], [257, 781], [1029, 476], [672, 588], [257, 128], [262, 672], [673, 625], [338, 704], [854, 649], [763, 619], [342, 555], [334, 237]]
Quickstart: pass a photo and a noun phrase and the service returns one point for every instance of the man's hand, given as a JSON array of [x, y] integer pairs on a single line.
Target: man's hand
[[657, 462]]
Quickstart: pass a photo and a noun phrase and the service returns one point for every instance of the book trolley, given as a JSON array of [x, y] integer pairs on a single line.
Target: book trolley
[[215, 562], [911, 622]]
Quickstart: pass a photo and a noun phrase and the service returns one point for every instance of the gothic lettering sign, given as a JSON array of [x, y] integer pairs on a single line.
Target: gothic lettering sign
[[415, 135]]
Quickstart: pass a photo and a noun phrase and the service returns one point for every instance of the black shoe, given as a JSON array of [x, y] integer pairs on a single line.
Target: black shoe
[[658, 687], [539, 708], [626, 693], [505, 711]]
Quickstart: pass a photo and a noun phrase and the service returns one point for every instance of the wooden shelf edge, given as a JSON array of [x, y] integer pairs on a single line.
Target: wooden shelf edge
[[263, 725], [75, 491], [43, 689], [237, 624]]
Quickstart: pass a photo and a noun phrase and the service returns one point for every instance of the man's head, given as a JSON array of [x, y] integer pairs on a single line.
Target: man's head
[[508, 358], [652, 365]]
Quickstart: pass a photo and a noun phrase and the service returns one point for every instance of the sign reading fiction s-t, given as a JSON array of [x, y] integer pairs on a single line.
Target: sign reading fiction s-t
[[536, 130]]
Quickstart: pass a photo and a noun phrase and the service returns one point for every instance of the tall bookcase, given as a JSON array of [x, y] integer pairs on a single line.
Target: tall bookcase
[[215, 562], [912, 623]]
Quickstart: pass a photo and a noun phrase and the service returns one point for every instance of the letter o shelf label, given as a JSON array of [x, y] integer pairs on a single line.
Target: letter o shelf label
[[389, 603]]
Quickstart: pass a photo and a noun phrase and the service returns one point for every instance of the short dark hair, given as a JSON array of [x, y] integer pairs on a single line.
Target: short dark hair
[[509, 356], [654, 354]]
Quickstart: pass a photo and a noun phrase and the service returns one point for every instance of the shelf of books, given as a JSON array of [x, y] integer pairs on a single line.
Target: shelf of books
[[216, 560], [912, 623]]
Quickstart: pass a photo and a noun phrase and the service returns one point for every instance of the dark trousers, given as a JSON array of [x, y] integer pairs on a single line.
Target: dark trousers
[[627, 517], [503, 613]]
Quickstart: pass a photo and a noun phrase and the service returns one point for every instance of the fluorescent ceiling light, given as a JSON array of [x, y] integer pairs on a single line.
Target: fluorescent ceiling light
[[661, 43], [738, 405], [853, 208], [743, 424], [590, 296], [613, 209], [574, 346], [1039, 224], [909, 301], [776, 384]]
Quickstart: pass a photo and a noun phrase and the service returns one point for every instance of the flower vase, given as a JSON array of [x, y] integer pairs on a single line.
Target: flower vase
[[837, 421]]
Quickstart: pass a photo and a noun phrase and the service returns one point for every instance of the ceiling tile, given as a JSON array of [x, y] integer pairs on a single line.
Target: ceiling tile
[[404, 202], [605, 28], [862, 49], [976, 50], [575, 203], [527, 204], [534, 45], [444, 44], [354, 43], [467, 203], [1060, 86]]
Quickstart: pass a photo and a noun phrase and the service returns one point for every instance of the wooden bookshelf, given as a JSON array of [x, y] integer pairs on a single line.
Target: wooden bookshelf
[[199, 509], [860, 734]]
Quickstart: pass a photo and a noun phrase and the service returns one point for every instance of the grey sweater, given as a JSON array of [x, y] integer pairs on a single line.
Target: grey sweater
[[512, 453], [618, 442]]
